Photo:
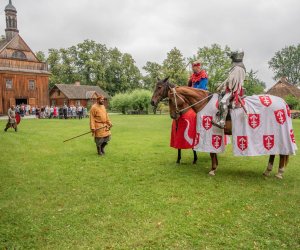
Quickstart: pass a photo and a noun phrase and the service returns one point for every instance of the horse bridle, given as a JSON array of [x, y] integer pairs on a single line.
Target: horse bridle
[[173, 90]]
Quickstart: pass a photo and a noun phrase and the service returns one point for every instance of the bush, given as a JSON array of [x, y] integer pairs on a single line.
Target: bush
[[138, 100], [162, 108], [292, 101], [121, 103]]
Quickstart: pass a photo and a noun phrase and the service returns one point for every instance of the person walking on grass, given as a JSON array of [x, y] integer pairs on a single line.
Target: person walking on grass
[[12, 122], [100, 125]]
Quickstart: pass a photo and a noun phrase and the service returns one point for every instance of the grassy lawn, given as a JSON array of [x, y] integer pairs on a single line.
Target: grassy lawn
[[56, 195]]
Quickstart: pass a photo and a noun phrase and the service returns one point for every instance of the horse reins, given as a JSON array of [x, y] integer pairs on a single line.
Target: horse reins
[[186, 108]]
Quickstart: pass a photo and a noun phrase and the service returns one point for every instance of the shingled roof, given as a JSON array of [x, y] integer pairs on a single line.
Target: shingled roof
[[76, 91], [282, 89]]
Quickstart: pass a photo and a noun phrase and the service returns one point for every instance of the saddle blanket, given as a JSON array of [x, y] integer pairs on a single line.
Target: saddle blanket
[[265, 130], [183, 133], [211, 138]]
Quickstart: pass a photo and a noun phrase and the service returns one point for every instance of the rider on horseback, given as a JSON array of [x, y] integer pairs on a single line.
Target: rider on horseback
[[199, 78], [232, 88]]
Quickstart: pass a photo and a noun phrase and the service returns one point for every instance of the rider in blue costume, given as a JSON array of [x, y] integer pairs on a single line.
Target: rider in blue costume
[[199, 78]]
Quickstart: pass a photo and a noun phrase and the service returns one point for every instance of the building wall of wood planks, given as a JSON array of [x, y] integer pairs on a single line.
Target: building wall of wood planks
[[57, 98], [22, 89]]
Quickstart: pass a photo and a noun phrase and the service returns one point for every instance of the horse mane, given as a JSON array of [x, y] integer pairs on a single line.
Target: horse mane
[[171, 85], [193, 92], [197, 94]]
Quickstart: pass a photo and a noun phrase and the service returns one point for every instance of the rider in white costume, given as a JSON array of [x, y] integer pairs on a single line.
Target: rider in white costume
[[232, 87]]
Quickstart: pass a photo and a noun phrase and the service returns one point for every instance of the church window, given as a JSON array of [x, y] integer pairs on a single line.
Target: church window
[[19, 55], [31, 85], [9, 83]]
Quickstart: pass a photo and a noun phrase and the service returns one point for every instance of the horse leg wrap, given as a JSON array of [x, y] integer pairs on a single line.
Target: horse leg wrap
[[212, 172], [279, 175], [268, 170]]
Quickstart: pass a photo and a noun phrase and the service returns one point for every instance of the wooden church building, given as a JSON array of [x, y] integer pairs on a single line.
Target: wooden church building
[[23, 78]]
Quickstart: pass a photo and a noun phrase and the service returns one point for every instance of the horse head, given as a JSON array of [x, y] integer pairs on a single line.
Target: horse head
[[160, 91]]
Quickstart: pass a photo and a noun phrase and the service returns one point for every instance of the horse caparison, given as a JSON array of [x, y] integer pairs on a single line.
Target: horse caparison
[[183, 97]]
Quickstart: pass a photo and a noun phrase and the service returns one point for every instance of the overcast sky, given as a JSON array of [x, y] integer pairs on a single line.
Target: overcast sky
[[148, 29]]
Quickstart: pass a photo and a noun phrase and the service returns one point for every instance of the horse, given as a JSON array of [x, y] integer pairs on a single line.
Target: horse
[[183, 97], [175, 124]]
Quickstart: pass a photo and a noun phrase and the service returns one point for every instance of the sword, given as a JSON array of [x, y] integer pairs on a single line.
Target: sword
[[85, 133]]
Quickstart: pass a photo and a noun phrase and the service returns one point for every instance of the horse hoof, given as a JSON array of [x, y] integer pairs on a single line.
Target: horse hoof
[[267, 174], [279, 176], [212, 173], [194, 162]]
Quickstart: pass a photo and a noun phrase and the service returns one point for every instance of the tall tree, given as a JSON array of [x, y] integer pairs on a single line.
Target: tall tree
[[41, 56], [286, 63], [252, 84], [114, 71], [131, 76], [92, 63], [174, 66], [153, 72], [68, 68], [215, 61], [54, 62]]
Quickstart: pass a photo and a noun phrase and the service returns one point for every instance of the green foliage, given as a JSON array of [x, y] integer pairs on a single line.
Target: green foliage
[[286, 63], [121, 102], [41, 56], [215, 61], [138, 100], [174, 66], [163, 107], [54, 64], [292, 101], [94, 64], [58, 195], [153, 73], [253, 85]]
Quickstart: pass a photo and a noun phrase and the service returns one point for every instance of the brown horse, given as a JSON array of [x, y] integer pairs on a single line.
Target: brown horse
[[195, 157], [181, 98]]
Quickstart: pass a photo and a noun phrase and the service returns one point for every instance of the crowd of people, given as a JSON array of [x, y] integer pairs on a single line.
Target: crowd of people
[[54, 112]]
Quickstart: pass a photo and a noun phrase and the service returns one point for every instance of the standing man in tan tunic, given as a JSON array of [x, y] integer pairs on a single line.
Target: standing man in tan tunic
[[100, 125]]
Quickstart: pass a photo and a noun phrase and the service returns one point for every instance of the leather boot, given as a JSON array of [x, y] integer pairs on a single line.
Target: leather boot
[[102, 147], [223, 111], [99, 151]]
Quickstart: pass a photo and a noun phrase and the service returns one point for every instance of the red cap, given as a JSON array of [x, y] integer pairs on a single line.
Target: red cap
[[196, 64]]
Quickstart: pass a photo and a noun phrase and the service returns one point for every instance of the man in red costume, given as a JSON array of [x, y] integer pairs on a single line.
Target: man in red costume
[[199, 78]]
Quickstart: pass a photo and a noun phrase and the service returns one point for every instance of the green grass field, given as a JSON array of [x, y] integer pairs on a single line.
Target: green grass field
[[56, 195]]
